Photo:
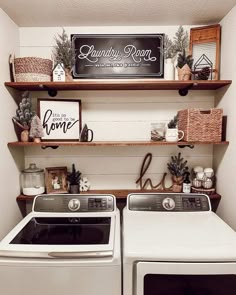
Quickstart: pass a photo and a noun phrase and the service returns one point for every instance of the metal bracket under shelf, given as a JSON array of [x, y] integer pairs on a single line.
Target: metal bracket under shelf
[[191, 146], [184, 91], [51, 92], [54, 147]]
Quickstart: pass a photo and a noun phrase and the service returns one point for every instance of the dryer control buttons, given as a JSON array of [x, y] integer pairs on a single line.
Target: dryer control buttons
[[74, 204], [168, 204]]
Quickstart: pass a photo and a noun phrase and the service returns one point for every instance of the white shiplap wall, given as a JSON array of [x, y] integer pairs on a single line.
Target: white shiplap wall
[[116, 115]]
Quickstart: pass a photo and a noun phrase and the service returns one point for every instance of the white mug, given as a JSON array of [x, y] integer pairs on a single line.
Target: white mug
[[173, 134]]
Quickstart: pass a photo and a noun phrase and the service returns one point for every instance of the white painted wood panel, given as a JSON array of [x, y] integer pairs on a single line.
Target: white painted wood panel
[[116, 115]]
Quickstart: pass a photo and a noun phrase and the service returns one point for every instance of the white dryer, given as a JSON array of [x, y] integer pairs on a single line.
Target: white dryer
[[68, 244], [174, 244]]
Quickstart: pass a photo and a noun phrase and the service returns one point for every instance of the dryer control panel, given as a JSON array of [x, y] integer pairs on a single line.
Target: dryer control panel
[[74, 203], [169, 202]]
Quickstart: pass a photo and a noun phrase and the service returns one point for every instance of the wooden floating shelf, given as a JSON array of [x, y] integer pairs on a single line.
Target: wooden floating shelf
[[119, 194], [120, 84], [112, 143]]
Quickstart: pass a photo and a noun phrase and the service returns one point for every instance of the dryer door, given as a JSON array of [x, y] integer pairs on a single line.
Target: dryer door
[[157, 278]]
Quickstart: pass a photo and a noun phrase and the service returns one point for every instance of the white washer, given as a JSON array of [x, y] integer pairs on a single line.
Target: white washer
[[174, 244], [68, 244]]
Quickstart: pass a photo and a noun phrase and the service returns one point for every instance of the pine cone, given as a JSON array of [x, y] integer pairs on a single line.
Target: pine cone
[[204, 73]]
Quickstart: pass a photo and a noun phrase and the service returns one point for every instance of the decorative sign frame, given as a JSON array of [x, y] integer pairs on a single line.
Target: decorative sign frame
[[118, 56], [61, 119], [206, 40], [56, 180]]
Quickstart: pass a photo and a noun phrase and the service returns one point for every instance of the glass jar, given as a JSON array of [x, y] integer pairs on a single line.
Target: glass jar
[[32, 180]]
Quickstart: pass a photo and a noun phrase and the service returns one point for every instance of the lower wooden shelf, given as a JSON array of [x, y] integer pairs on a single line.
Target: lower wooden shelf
[[113, 143], [121, 196]]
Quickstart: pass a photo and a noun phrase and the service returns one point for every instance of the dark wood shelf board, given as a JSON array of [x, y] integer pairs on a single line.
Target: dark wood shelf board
[[113, 143], [120, 84]]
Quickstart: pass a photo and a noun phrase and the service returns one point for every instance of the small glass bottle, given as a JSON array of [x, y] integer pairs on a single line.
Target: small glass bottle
[[186, 183]]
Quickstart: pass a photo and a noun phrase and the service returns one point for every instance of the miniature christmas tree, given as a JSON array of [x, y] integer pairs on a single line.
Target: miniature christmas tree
[[24, 113], [181, 41], [63, 52], [169, 49], [36, 129]]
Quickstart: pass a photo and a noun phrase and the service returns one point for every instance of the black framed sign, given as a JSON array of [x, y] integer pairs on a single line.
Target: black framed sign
[[61, 119], [118, 56]]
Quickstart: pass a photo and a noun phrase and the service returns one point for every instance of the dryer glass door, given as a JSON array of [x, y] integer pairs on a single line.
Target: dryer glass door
[[155, 278]]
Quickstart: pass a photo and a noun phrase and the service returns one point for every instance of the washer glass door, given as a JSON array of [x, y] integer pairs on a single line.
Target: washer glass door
[[65, 231]]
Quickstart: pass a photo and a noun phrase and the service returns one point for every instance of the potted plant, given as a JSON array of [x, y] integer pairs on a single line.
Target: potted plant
[[24, 115], [177, 168], [63, 54], [169, 53], [173, 123], [184, 65], [172, 133], [74, 180]]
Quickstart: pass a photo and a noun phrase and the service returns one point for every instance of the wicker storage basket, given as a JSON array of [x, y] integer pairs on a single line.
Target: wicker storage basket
[[32, 69], [207, 191], [199, 125]]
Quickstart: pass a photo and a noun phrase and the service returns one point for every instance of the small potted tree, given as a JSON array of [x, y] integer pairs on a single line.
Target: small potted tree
[[23, 117], [63, 54], [177, 168], [73, 178], [184, 65], [36, 129]]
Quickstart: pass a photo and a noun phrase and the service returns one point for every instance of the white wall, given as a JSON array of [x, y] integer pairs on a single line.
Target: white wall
[[10, 160], [226, 159], [116, 115]]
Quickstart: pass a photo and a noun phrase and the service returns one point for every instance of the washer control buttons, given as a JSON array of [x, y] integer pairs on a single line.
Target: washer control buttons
[[168, 204], [74, 205]]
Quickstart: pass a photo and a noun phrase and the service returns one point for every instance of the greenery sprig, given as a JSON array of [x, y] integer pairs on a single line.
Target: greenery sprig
[[177, 166], [184, 59], [62, 52], [74, 176], [24, 113]]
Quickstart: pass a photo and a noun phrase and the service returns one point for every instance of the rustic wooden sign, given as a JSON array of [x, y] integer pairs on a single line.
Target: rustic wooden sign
[[118, 56]]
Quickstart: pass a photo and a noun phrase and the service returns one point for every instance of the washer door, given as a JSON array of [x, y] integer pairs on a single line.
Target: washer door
[[65, 231], [57, 235], [154, 278]]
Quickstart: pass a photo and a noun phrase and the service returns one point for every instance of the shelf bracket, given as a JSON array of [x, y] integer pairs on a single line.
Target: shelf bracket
[[191, 146], [54, 147], [51, 92], [184, 91]]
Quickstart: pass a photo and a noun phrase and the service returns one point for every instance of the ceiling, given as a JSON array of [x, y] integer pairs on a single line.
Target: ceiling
[[69, 13]]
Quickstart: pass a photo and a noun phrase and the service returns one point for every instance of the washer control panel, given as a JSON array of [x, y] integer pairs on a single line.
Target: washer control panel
[[74, 203], [170, 202]]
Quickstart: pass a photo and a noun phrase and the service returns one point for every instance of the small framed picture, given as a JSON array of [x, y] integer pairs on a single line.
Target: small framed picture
[[61, 119], [55, 178]]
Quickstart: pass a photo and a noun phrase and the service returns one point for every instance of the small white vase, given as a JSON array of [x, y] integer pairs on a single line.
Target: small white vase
[[169, 69]]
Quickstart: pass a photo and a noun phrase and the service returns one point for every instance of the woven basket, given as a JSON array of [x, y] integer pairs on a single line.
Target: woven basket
[[199, 125], [32, 69], [207, 191]]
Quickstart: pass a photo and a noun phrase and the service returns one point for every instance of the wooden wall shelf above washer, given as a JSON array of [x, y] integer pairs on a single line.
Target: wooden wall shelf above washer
[[120, 84], [112, 143]]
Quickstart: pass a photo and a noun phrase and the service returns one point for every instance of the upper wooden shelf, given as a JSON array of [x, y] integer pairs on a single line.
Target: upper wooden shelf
[[120, 84], [112, 143]]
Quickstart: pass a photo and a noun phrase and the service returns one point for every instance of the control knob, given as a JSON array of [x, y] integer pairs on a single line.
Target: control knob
[[74, 205], [168, 204]]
